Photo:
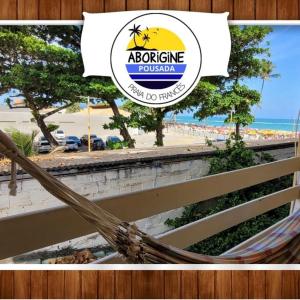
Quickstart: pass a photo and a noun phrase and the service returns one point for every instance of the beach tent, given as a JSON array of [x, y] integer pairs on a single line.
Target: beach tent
[[281, 245]]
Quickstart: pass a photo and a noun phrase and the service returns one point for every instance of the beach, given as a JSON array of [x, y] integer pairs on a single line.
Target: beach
[[176, 133]]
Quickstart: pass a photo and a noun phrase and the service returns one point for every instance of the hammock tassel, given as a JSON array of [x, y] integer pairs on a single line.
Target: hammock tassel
[[13, 180]]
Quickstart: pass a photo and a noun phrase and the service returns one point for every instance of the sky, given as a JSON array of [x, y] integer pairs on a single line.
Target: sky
[[281, 96]]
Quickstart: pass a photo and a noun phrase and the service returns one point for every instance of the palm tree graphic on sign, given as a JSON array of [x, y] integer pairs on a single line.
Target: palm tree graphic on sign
[[137, 32]]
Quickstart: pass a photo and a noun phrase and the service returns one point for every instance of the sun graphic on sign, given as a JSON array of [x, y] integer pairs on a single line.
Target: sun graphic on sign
[[154, 38]]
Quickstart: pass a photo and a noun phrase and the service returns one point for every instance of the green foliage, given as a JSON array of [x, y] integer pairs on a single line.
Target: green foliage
[[42, 65], [116, 145], [24, 141], [234, 156], [249, 58], [52, 127], [73, 108]]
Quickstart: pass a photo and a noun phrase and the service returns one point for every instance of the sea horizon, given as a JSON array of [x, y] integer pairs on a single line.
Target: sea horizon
[[259, 123]]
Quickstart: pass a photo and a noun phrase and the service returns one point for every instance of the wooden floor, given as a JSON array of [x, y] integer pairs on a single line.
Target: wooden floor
[[71, 9], [149, 284]]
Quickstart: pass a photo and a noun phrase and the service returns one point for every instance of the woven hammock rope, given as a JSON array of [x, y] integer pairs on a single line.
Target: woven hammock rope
[[136, 246]]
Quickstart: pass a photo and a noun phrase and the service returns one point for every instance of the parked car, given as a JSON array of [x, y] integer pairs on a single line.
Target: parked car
[[98, 144], [71, 145], [59, 134], [84, 139], [43, 146], [114, 142], [75, 139], [61, 142]]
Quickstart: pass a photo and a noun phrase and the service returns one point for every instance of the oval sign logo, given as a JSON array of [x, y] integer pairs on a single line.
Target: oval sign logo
[[156, 60]]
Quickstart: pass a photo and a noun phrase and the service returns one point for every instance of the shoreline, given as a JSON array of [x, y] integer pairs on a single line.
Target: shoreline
[[223, 132]]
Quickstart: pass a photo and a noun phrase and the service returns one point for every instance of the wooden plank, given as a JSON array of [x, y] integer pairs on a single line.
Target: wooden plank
[[202, 6], [26, 232], [158, 4], [191, 233], [189, 285], [273, 284], [147, 284], [89, 284], [39, 284], [206, 284], [257, 284], [123, 282], [49, 10], [56, 284], [244, 9], [172, 284], [290, 285], [93, 6], [266, 9], [71, 9], [114, 5], [6, 284], [8, 10], [223, 285], [28, 9], [22, 284], [179, 5], [136, 5], [72, 284], [222, 6], [106, 284], [240, 285], [288, 10]]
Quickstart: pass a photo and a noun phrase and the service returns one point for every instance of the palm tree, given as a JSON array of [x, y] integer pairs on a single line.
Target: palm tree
[[266, 72], [135, 31], [146, 39]]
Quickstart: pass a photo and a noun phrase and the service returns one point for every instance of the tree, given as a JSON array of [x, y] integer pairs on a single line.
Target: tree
[[69, 37], [46, 75], [151, 119], [267, 68], [248, 59], [104, 90], [238, 96]]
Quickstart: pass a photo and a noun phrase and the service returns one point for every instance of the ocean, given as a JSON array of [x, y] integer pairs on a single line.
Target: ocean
[[259, 123]]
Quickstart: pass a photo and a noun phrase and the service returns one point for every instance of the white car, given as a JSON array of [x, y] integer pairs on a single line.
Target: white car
[[43, 146], [59, 134], [71, 145]]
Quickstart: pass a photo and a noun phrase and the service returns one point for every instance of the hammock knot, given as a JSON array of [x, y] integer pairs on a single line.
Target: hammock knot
[[128, 243]]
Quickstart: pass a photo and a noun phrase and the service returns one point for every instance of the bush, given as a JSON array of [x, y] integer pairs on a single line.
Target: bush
[[73, 108], [52, 127], [116, 145], [234, 156], [24, 141]]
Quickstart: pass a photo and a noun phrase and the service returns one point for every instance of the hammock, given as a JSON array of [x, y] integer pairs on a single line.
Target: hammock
[[280, 246]]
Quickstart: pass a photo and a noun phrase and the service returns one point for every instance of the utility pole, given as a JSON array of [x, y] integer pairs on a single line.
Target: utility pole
[[89, 123]]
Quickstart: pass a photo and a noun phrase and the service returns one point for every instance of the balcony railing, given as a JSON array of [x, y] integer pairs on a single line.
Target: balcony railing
[[28, 232]]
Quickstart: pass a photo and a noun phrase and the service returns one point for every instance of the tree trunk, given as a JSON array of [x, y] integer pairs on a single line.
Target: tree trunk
[[46, 132], [159, 129], [123, 130]]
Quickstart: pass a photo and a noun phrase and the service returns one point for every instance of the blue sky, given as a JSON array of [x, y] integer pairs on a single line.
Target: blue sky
[[281, 96]]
